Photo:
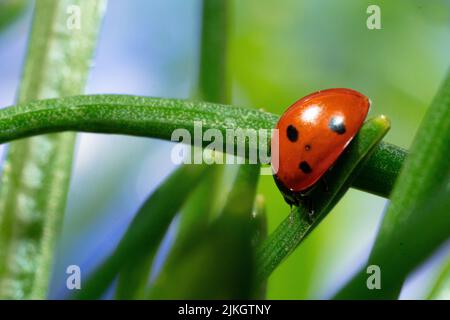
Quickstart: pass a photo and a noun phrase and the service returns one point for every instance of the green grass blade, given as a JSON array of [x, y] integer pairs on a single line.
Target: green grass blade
[[147, 229], [217, 264], [213, 52], [441, 289], [36, 174], [133, 277], [10, 11], [157, 118], [417, 220], [293, 230]]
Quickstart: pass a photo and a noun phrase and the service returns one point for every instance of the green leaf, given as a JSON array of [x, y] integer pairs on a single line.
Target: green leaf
[[158, 118], [216, 264], [293, 230], [417, 220], [36, 173], [147, 229]]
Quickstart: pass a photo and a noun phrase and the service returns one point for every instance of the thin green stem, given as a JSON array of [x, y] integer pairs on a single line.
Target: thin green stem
[[36, 173], [213, 52]]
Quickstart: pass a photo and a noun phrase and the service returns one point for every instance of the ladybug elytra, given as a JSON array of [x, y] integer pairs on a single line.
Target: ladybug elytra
[[312, 133]]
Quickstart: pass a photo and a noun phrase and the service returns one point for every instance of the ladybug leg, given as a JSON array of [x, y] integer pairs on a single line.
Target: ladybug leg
[[290, 201]]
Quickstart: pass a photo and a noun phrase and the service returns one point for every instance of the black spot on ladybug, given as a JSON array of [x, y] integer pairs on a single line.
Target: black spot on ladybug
[[305, 167], [292, 133], [337, 125], [307, 147]]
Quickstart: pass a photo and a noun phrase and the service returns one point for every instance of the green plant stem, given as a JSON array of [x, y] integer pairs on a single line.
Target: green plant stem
[[417, 220], [36, 173], [213, 52], [381, 170], [294, 229], [157, 118], [121, 114]]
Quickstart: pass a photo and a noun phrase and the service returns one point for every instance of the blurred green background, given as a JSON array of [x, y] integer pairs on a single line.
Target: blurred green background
[[279, 51]]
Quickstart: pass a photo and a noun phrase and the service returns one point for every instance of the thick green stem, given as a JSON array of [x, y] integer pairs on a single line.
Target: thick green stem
[[36, 173], [381, 170], [158, 118]]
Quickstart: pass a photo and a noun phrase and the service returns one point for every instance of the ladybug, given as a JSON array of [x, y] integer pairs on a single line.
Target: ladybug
[[312, 133]]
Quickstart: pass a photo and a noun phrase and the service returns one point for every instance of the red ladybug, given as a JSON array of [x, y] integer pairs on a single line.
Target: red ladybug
[[312, 133]]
